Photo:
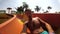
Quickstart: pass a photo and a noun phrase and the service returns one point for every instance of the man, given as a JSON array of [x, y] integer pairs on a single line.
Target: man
[[34, 25]]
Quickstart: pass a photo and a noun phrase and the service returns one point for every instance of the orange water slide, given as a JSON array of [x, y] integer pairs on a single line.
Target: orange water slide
[[12, 26]]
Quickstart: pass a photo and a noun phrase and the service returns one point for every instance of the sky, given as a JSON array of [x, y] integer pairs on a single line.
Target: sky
[[55, 4]]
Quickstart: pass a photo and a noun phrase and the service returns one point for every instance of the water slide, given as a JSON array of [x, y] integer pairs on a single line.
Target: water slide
[[15, 25], [12, 26]]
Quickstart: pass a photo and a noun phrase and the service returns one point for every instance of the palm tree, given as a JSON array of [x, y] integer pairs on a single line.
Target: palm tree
[[25, 5], [20, 9], [49, 7], [37, 8]]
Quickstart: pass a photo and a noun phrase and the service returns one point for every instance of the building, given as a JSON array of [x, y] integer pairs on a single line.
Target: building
[[8, 11], [4, 11]]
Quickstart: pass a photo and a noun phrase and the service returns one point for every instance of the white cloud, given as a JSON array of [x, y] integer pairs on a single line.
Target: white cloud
[[58, 1], [32, 3]]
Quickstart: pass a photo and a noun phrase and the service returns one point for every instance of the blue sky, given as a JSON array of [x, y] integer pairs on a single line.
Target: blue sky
[[55, 4]]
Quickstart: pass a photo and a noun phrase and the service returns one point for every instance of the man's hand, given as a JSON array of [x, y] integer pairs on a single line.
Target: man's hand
[[41, 20]]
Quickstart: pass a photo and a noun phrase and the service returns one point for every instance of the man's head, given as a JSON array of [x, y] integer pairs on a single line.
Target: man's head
[[28, 14], [33, 24], [36, 23]]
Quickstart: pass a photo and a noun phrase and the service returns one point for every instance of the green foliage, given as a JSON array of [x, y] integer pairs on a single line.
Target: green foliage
[[4, 17], [20, 9], [49, 7], [3, 20], [25, 5], [37, 8]]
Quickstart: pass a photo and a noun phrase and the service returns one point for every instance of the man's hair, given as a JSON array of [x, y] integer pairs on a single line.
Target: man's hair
[[28, 10], [36, 25], [32, 25]]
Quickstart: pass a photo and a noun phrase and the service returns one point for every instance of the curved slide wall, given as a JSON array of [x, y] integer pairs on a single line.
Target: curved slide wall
[[12, 26]]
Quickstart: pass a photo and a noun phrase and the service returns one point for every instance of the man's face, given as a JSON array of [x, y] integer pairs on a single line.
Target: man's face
[[28, 13]]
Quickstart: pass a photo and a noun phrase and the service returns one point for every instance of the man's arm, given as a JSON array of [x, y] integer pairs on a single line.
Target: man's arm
[[24, 31], [48, 26]]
